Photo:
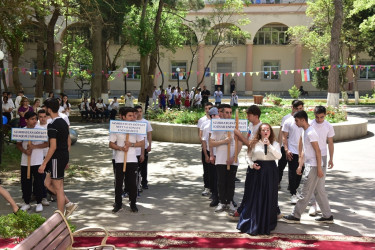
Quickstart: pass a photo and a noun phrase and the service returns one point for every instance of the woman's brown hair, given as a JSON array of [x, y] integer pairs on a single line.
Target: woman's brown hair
[[258, 136]]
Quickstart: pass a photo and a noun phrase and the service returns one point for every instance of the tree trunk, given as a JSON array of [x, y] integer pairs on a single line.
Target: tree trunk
[[147, 89], [333, 76], [50, 55], [2, 76], [40, 65], [104, 87], [96, 85], [144, 57], [15, 63]]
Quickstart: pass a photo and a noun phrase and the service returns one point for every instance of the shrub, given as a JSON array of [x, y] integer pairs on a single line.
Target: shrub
[[294, 92], [20, 225]]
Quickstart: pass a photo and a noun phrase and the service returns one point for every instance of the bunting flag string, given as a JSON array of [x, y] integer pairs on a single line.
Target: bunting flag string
[[305, 73]]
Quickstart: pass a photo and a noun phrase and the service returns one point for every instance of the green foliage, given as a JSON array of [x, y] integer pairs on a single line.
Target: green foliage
[[335, 114], [19, 225], [11, 157], [276, 100], [271, 115], [319, 78], [294, 92]]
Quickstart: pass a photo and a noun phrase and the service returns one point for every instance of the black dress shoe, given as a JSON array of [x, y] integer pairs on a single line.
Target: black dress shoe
[[234, 203], [145, 186], [133, 208], [214, 202]]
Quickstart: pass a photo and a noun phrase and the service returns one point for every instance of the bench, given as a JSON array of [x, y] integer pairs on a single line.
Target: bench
[[55, 233]]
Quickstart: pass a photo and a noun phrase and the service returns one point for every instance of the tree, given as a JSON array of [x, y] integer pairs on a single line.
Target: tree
[[12, 22], [219, 30]]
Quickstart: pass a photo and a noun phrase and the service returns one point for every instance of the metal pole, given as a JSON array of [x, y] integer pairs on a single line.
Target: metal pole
[[178, 80], [125, 84]]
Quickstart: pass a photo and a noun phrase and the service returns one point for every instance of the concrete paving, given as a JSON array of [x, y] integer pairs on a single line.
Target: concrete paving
[[174, 201]]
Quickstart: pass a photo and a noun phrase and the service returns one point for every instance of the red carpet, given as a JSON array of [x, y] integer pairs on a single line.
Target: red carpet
[[165, 240]]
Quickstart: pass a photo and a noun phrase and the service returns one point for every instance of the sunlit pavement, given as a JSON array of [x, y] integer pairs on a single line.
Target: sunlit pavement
[[173, 201]]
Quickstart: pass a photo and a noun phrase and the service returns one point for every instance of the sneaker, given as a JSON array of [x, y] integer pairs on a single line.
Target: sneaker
[[206, 192], [45, 202], [214, 202], [140, 190], [231, 207], [312, 210], [39, 208], [25, 207], [291, 219], [69, 209], [235, 216], [325, 220], [293, 199], [125, 194], [116, 209], [220, 208], [280, 216], [237, 180], [134, 208]]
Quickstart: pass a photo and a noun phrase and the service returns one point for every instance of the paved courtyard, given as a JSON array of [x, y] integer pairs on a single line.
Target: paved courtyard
[[174, 201]]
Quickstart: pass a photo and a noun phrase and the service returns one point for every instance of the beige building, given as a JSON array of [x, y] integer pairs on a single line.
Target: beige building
[[265, 63]]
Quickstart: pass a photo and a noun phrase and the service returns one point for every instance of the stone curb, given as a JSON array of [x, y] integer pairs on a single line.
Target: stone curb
[[354, 128]]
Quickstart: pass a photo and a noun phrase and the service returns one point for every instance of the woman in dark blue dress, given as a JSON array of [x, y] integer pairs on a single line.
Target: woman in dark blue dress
[[259, 215]]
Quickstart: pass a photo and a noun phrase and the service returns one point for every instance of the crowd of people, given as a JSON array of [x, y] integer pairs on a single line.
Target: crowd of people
[[302, 144], [47, 159], [175, 97]]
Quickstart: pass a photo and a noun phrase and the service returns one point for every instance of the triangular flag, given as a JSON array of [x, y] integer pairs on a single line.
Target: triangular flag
[[243, 73], [257, 73], [286, 72], [274, 72], [317, 68], [238, 73], [212, 73], [226, 74], [232, 74], [329, 66], [323, 67], [299, 71], [251, 73]]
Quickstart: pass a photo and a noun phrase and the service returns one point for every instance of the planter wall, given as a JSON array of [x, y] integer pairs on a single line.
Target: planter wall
[[354, 128]]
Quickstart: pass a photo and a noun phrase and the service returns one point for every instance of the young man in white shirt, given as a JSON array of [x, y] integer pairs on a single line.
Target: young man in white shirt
[[212, 174], [225, 178], [326, 133], [148, 141], [291, 135], [198, 99], [35, 151], [117, 141], [201, 121], [310, 155], [218, 95], [113, 107], [281, 164]]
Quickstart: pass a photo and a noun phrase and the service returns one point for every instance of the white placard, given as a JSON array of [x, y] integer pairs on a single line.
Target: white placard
[[228, 125], [128, 127], [29, 134]]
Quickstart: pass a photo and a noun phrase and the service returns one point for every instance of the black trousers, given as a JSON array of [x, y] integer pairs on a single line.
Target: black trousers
[[130, 177], [113, 114], [294, 178], [84, 114], [206, 178], [27, 184], [281, 164], [225, 182], [212, 173], [143, 169]]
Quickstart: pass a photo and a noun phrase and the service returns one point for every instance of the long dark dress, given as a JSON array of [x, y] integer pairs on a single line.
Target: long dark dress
[[259, 215]]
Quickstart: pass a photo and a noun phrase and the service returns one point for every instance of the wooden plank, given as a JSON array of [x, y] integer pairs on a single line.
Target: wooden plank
[[55, 244], [52, 236], [40, 233]]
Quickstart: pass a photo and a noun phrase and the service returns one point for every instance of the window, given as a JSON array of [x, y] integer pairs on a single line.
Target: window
[[134, 70], [271, 35], [367, 72], [271, 70], [182, 66], [225, 34]]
